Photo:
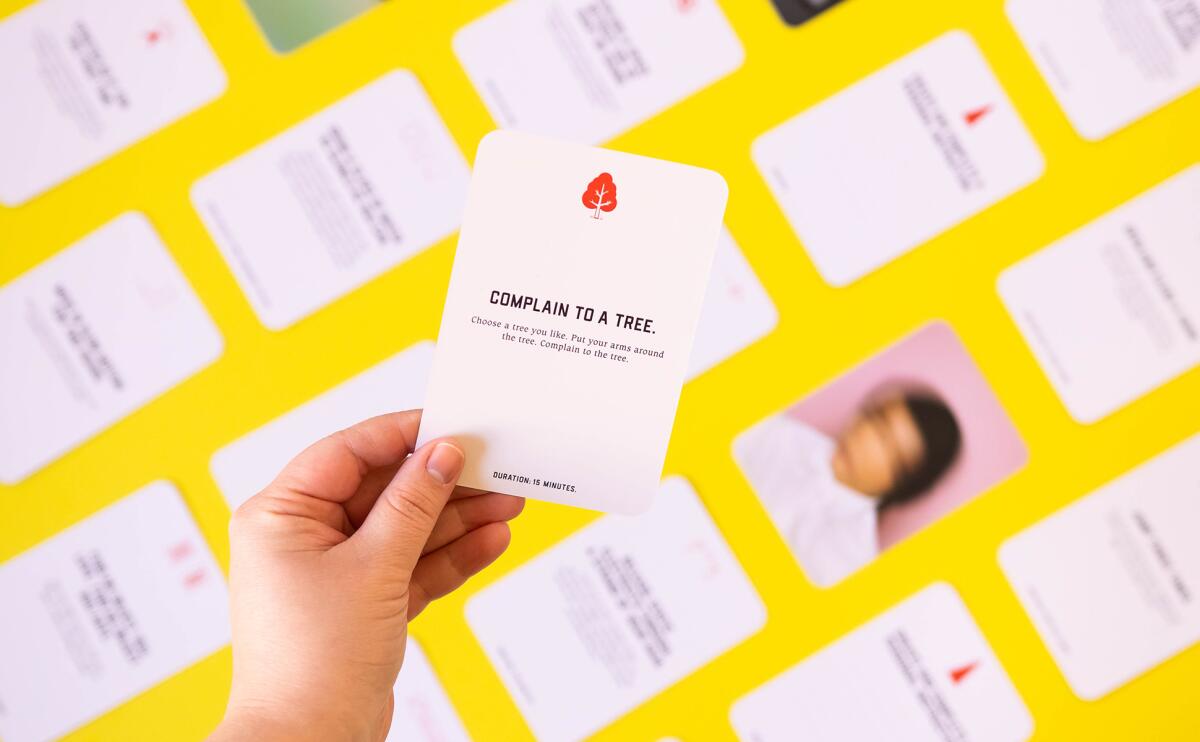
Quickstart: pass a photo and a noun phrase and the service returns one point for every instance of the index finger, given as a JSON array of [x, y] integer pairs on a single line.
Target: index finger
[[333, 468]]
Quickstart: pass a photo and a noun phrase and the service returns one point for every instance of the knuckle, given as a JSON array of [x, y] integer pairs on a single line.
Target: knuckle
[[249, 517], [414, 504]]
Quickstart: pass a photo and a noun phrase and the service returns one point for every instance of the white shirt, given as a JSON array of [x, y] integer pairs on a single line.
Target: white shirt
[[830, 528]]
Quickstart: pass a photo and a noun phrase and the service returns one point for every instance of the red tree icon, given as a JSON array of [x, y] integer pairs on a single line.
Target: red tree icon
[[601, 194]]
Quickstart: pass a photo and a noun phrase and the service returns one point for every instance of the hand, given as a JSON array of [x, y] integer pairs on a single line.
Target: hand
[[328, 565]]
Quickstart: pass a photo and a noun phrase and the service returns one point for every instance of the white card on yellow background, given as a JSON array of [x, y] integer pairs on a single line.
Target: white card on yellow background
[[91, 78], [103, 611], [422, 711], [245, 466], [1112, 310], [737, 310], [569, 320], [920, 672], [898, 158], [1111, 63], [1110, 581], [615, 614], [89, 336], [587, 70], [335, 200]]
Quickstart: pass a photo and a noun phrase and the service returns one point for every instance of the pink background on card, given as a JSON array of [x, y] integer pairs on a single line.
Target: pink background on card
[[934, 358]]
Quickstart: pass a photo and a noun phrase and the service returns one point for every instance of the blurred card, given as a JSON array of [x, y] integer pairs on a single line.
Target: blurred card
[[423, 712], [1112, 310], [921, 672], [288, 24], [250, 463], [795, 12], [1111, 63], [578, 284], [898, 158], [90, 335], [104, 610], [737, 311], [630, 605], [336, 200], [1110, 581], [587, 70], [91, 78], [831, 476]]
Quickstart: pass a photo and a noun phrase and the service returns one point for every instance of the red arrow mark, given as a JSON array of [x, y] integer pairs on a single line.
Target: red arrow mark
[[959, 674], [974, 116]]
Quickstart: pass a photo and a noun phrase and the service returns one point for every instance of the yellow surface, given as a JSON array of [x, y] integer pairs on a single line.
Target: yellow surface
[[822, 331]]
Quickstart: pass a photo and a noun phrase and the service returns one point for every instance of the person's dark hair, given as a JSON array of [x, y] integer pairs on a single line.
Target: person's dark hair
[[942, 439]]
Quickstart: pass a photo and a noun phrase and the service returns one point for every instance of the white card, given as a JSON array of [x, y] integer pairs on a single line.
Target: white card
[[569, 320], [423, 712], [736, 313], [247, 465], [91, 78], [91, 335], [104, 610], [629, 605], [1112, 310], [1111, 63], [898, 158], [587, 70], [335, 200], [921, 672], [1110, 582]]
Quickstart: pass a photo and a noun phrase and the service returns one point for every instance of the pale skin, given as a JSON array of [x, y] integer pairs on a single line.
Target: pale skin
[[878, 447], [328, 565]]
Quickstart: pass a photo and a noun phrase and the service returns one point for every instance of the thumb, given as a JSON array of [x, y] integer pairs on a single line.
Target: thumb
[[400, 521]]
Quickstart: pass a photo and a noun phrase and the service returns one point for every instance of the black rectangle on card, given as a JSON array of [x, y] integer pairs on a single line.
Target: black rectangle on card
[[795, 12]]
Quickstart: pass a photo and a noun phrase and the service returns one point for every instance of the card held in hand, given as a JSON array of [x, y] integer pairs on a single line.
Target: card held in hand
[[569, 319]]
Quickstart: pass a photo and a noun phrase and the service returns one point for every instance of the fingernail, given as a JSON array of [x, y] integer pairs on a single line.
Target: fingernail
[[445, 462]]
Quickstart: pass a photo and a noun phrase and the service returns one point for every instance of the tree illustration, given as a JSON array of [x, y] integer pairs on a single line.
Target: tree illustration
[[601, 194]]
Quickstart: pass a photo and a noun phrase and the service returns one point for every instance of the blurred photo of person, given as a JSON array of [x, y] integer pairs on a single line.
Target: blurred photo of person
[[825, 495], [880, 452]]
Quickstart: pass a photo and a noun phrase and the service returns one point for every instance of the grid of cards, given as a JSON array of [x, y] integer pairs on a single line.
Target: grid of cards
[[865, 181]]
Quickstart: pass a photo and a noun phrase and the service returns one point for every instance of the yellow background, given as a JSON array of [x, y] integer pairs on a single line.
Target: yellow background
[[822, 332]]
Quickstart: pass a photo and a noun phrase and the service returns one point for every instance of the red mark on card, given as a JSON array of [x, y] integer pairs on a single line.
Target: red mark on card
[[976, 115], [712, 567], [180, 551], [601, 194], [960, 674], [159, 33], [194, 579]]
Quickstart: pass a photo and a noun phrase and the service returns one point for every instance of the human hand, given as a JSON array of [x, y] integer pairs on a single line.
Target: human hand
[[328, 565]]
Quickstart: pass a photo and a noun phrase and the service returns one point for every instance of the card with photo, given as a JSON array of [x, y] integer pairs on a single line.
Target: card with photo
[[289, 24], [796, 12], [880, 453]]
